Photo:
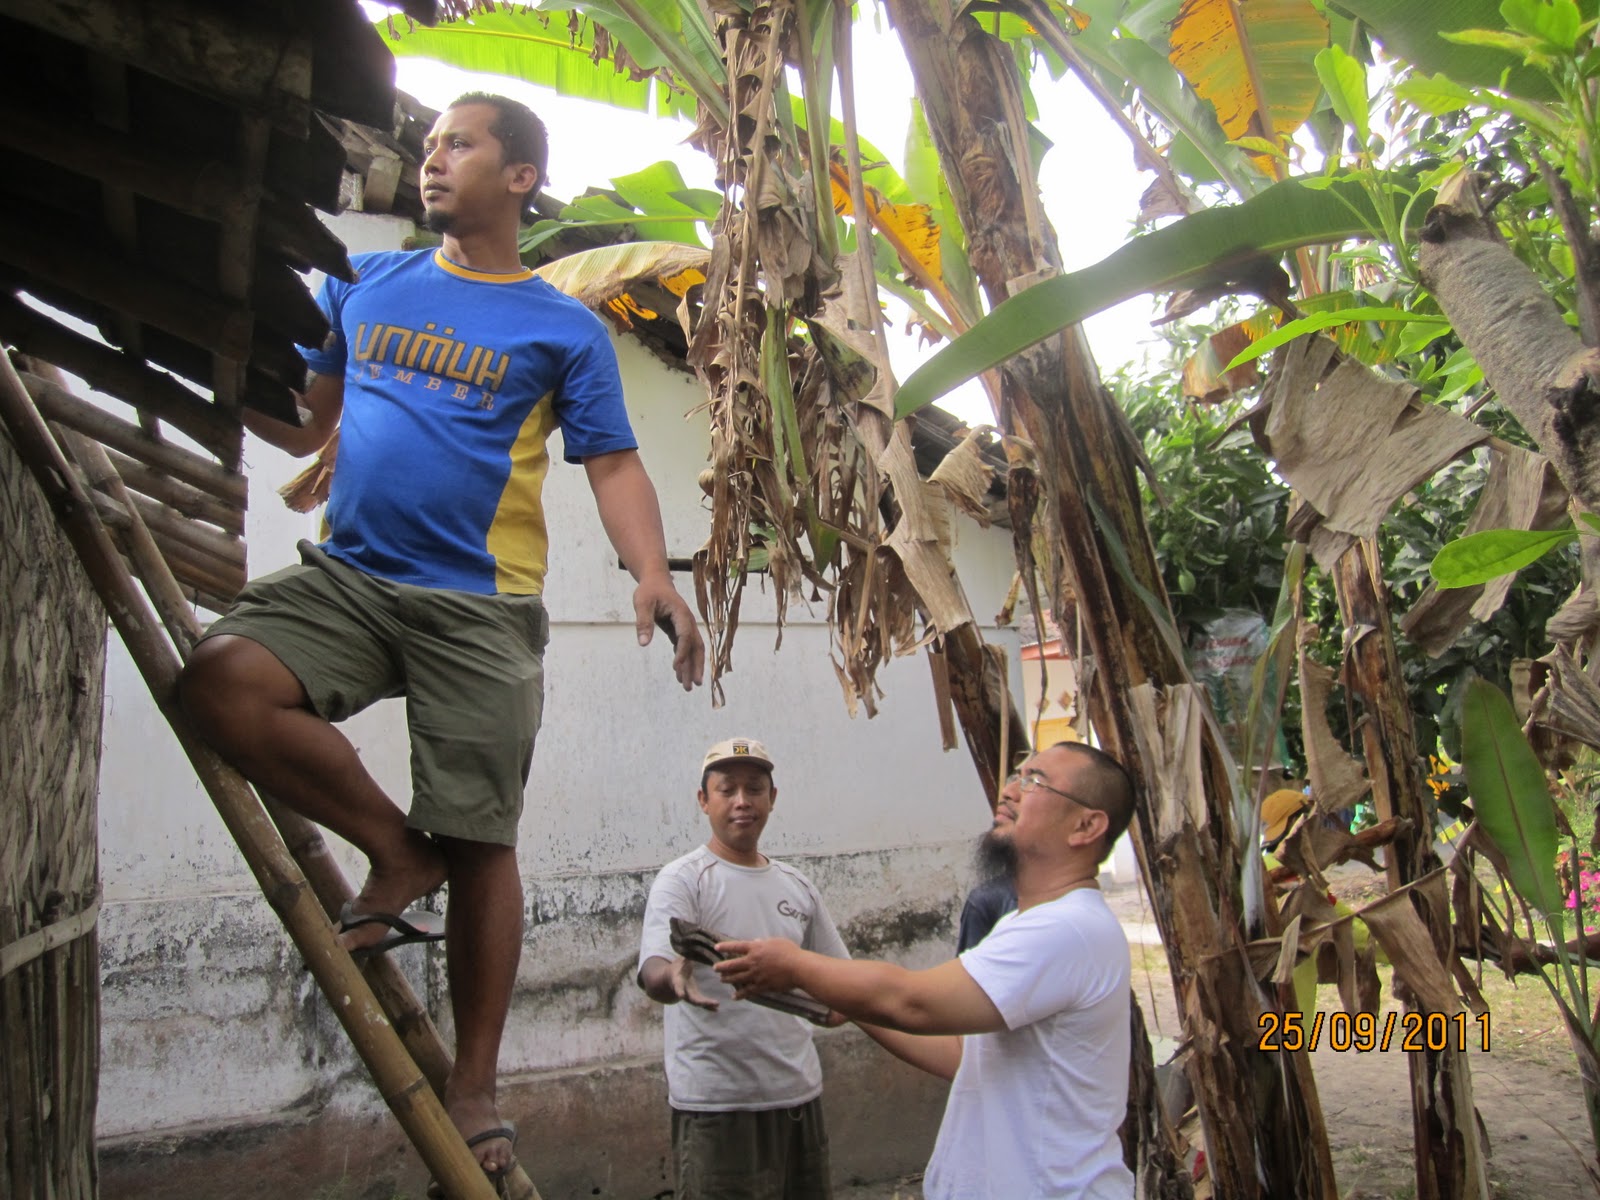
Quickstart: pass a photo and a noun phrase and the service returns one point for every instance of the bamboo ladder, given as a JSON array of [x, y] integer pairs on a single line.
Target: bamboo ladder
[[380, 1013]]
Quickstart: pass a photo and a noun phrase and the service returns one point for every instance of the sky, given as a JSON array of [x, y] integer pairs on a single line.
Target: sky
[[1088, 180]]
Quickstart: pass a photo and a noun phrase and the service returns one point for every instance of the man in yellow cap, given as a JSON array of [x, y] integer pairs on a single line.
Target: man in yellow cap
[[744, 1082]]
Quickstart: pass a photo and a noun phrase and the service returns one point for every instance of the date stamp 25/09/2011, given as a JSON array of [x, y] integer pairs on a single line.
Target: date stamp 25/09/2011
[[1364, 1032]]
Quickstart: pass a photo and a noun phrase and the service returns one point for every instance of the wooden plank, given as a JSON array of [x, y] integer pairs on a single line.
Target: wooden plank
[[57, 404], [307, 168], [107, 85], [118, 375], [236, 253], [225, 53], [292, 232], [281, 300], [352, 69]]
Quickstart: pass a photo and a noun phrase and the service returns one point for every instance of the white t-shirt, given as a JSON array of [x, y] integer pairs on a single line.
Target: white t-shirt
[[1034, 1109], [743, 1056]]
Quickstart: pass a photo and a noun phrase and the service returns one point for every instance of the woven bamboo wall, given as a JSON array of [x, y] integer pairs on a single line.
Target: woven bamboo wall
[[52, 666]]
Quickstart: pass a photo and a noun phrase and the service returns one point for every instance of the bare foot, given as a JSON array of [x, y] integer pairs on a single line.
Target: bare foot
[[417, 868], [475, 1114]]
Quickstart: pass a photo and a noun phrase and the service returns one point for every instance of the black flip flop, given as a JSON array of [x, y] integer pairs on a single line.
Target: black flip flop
[[413, 925], [507, 1131]]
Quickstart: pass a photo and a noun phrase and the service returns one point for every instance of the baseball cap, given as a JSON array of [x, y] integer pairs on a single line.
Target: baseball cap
[[737, 750], [1278, 810]]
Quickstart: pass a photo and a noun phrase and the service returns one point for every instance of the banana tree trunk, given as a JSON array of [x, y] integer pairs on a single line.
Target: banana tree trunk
[[1445, 1143], [1263, 1124]]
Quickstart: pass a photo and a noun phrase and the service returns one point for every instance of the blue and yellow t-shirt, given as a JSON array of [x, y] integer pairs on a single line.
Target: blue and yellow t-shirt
[[454, 380]]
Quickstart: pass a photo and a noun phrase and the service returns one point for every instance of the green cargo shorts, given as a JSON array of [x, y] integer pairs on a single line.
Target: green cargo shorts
[[766, 1154], [471, 669]]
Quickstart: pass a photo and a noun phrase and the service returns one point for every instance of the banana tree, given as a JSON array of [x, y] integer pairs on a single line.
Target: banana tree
[[792, 352]]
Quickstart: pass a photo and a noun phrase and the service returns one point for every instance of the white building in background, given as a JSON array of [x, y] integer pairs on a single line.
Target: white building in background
[[216, 1043]]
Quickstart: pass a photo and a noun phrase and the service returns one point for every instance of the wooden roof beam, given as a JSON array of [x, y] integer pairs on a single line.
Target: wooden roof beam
[[108, 85], [203, 189], [236, 254], [52, 253], [216, 53]]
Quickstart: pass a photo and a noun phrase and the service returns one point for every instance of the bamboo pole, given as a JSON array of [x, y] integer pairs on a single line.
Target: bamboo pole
[[127, 379], [399, 1081], [151, 568], [222, 548], [187, 501], [193, 567], [58, 404]]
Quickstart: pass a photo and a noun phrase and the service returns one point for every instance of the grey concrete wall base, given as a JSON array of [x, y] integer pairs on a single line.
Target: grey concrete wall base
[[586, 1134]]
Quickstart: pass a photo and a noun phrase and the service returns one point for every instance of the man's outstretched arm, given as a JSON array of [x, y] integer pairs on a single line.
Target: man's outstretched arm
[[631, 514], [941, 1000], [323, 402], [669, 981]]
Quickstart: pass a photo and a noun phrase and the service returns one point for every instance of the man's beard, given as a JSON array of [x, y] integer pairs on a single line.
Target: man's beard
[[996, 857], [438, 222]]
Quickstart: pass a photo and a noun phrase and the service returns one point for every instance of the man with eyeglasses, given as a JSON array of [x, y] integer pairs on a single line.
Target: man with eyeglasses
[[1032, 1024], [744, 1082]]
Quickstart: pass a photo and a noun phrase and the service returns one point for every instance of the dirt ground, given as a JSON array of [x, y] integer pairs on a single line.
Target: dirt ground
[[1525, 1086]]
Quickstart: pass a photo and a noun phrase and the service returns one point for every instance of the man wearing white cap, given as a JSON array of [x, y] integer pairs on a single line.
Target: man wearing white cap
[[744, 1081]]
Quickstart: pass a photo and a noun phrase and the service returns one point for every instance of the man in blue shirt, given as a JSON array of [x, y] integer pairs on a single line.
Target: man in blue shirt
[[449, 369]]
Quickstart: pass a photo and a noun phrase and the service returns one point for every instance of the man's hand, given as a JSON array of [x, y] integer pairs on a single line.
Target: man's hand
[[656, 602], [760, 967], [686, 989]]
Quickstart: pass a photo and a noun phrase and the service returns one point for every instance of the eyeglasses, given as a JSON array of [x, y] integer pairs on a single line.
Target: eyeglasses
[[1026, 782]]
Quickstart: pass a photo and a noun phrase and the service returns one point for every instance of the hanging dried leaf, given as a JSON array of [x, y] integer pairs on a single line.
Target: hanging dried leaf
[[1350, 441], [1337, 777], [965, 476], [1568, 704], [1409, 947], [1203, 378], [1168, 725]]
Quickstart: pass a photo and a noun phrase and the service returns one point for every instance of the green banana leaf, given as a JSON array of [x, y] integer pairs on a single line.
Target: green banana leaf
[[1411, 29], [1196, 250], [535, 47], [1510, 796], [655, 201]]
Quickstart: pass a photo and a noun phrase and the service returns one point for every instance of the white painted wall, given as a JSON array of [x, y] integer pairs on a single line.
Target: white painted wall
[[207, 1014]]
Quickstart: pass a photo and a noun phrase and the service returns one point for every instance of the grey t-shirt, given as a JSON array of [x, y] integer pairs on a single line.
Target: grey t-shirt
[[743, 1056]]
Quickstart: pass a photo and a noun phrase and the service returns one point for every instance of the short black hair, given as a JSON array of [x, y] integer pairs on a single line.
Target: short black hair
[[1115, 791], [521, 135]]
